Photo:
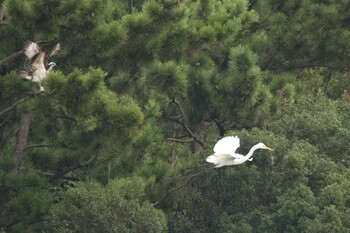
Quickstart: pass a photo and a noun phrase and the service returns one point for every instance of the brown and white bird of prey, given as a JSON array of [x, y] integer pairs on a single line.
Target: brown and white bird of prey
[[36, 66]]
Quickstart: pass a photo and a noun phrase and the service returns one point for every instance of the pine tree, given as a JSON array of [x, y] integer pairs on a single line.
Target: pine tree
[[308, 36]]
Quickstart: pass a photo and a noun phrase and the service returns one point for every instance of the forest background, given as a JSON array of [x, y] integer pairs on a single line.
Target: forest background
[[144, 89]]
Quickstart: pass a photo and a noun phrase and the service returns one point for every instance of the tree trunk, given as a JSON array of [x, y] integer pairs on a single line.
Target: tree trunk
[[1, 14], [21, 142]]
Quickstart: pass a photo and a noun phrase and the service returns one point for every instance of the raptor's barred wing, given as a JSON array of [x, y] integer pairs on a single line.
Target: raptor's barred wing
[[30, 49], [52, 52], [56, 49], [227, 145], [28, 65]]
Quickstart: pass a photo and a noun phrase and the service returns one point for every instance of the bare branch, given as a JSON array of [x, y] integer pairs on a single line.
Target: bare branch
[[37, 145], [13, 106], [172, 191], [84, 164], [3, 23], [190, 179], [180, 140], [51, 174], [11, 57], [44, 173], [184, 123], [65, 118]]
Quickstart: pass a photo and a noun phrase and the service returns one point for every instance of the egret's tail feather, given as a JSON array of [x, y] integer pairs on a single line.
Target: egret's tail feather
[[211, 159]]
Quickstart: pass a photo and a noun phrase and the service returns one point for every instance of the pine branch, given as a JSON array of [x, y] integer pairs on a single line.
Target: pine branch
[[11, 57], [84, 164], [13, 106]]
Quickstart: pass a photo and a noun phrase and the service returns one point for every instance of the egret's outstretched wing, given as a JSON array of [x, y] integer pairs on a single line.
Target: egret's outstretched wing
[[227, 145], [237, 156]]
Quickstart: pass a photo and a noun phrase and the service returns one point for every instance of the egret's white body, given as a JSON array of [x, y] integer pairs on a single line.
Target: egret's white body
[[224, 152]]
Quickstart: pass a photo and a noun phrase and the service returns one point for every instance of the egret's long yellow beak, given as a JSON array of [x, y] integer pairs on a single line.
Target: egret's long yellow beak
[[268, 148]]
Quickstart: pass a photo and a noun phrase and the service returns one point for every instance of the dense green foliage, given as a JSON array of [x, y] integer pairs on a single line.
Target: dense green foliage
[[141, 93]]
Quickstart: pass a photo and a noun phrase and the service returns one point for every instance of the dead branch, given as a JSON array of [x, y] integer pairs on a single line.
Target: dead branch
[[37, 145], [13, 106], [184, 123], [65, 118], [11, 57], [190, 179], [180, 140], [172, 191]]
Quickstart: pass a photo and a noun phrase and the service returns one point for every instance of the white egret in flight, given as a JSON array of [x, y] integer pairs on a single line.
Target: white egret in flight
[[224, 152]]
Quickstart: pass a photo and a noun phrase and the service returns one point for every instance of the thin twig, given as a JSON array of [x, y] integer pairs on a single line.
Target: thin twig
[[184, 124], [37, 145], [84, 164], [65, 118], [180, 140], [172, 191], [51, 174], [190, 180]]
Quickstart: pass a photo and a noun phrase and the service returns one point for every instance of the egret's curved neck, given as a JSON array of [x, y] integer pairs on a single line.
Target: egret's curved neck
[[251, 151]]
